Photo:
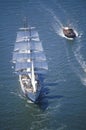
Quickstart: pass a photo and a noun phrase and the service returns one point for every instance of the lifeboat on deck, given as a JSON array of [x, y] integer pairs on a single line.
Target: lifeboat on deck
[[69, 32]]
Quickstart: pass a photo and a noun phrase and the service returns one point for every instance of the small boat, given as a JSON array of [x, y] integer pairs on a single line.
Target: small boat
[[69, 32], [30, 62]]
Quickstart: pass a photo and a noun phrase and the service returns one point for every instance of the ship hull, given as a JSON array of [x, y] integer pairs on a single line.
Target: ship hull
[[28, 92]]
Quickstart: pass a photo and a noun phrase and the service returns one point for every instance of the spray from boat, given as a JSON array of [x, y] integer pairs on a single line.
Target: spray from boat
[[67, 31], [58, 28]]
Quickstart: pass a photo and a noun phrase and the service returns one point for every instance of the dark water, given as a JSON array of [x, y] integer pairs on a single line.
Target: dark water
[[63, 101]]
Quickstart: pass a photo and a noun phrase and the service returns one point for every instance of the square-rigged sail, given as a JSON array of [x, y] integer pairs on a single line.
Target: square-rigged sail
[[28, 48]]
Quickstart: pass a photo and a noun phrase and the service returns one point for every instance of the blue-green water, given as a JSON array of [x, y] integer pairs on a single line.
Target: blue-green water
[[63, 101]]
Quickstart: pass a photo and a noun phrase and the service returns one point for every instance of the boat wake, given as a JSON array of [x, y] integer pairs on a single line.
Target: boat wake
[[18, 95], [80, 58], [75, 56], [80, 69], [56, 22], [77, 60], [21, 96], [58, 28], [82, 62]]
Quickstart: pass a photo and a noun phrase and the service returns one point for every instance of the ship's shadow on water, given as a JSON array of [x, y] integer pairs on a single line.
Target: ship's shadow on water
[[44, 98]]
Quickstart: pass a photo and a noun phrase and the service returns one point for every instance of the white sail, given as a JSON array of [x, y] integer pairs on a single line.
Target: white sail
[[38, 56], [29, 45], [41, 65], [27, 34], [26, 28], [22, 66], [20, 57], [22, 46], [36, 46], [29, 50]]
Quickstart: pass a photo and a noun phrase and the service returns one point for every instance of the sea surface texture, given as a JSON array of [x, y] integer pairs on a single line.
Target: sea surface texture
[[62, 104]]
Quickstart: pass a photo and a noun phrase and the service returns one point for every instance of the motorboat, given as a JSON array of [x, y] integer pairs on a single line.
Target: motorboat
[[69, 32]]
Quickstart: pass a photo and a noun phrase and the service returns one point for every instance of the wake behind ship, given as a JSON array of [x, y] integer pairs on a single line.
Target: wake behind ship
[[30, 61]]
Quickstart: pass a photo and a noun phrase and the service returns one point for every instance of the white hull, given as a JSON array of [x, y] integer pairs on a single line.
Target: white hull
[[28, 92], [68, 38]]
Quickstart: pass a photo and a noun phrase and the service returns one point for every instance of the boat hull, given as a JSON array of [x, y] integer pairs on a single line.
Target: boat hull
[[69, 33], [30, 95]]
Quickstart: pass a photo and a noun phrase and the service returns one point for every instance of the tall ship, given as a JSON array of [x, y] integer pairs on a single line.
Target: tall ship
[[29, 61]]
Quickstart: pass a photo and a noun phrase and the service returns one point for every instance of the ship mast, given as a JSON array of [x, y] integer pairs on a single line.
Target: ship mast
[[25, 23], [32, 63], [33, 78]]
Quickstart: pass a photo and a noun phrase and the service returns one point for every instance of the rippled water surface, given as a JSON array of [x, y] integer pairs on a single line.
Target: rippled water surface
[[62, 103]]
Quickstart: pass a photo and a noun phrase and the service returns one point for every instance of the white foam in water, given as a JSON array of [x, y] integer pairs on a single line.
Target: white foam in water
[[18, 94], [83, 80], [59, 31], [28, 101], [80, 58], [58, 26]]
